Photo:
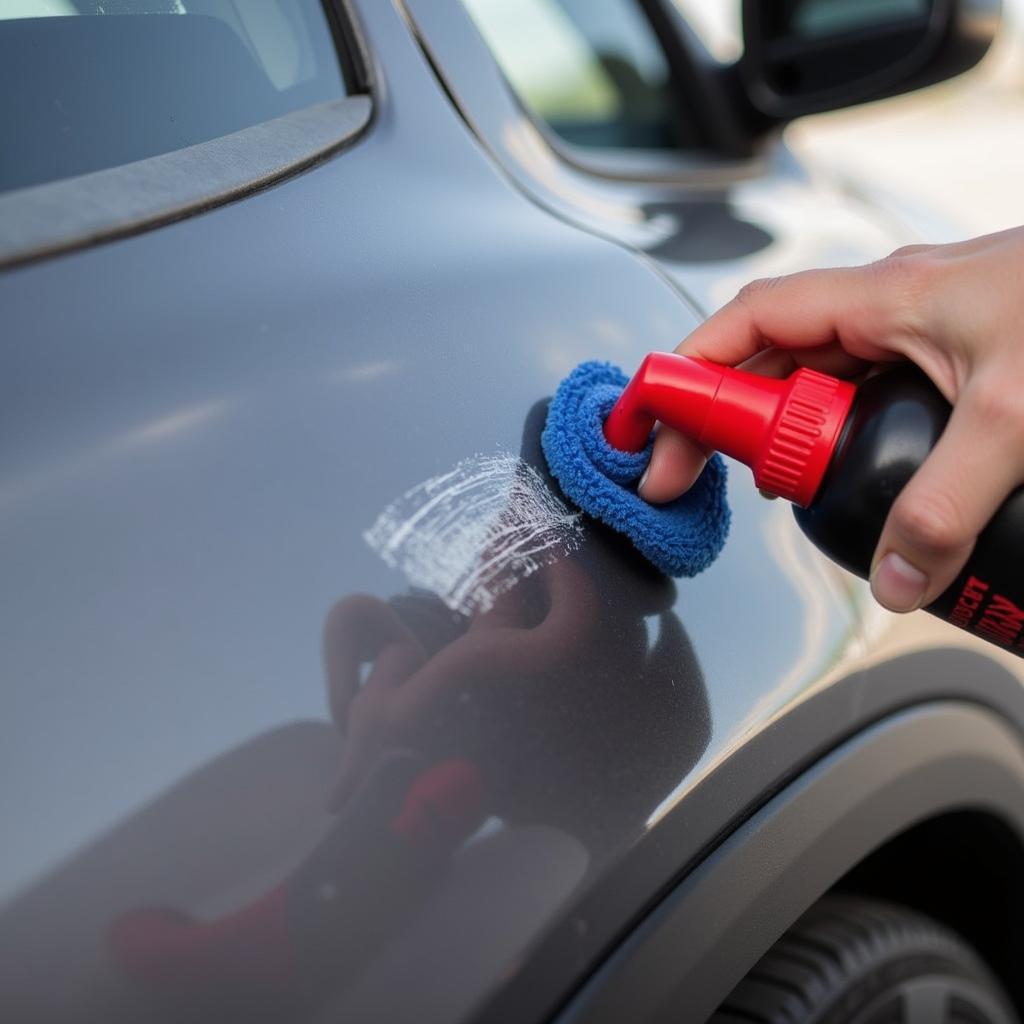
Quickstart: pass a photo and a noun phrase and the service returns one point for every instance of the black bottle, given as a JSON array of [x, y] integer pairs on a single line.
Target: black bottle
[[894, 421], [841, 454]]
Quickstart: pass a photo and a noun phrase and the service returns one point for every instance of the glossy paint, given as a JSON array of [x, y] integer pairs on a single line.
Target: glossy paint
[[253, 768]]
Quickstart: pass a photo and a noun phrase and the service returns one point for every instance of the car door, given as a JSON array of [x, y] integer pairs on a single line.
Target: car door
[[319, 699]]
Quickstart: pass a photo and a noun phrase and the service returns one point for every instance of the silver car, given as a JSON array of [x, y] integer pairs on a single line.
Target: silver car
[[320, 701]]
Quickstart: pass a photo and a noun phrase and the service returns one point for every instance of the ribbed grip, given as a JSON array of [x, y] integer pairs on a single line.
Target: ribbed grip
[[799, 445]]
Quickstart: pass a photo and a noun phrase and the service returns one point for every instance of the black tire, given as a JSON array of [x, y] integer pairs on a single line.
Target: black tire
[[851, 960]]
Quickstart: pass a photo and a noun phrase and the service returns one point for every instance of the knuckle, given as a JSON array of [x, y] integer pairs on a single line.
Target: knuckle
[[908, 250], [931, 521], [911, 274], [908, 283], [752, 291], [996, 403]]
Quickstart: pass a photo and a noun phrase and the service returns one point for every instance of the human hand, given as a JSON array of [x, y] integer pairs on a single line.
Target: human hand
[[956, 311], [503, 646]]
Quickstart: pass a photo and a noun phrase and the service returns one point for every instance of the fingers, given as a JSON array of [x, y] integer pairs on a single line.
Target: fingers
[[498, 652], [804, 310], [676, 461], [831, 320], [356, 630], [675, 464], [837, 321], [369, 727], [932, 526]]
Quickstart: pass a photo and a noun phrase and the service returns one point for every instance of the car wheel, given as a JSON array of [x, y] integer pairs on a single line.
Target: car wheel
[[851, 960]]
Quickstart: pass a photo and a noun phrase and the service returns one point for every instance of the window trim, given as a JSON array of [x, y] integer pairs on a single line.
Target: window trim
[[692, 168], [56, 217], [61, 216], [353, 53]]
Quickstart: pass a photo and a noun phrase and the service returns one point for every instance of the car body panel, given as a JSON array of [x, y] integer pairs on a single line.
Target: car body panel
[[199, 425]]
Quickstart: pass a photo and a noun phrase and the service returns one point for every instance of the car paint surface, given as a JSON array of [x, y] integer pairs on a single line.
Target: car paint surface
[[217, 689]]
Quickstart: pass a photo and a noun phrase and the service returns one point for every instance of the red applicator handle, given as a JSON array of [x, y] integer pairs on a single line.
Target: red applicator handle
[[785, 430]]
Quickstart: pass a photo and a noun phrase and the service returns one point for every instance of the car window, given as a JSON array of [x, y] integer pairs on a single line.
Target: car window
[[595, 73], [87, 85]]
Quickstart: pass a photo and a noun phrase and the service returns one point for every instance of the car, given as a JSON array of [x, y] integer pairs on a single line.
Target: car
[[321, 701]]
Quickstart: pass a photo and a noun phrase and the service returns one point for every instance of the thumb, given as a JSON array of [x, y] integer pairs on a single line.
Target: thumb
[[933, 524]]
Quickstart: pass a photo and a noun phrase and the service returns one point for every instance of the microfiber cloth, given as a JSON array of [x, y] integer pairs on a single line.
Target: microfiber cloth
[[682, 537]]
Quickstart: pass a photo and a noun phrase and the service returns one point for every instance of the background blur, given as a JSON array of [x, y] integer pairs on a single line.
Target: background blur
[[958, 147]]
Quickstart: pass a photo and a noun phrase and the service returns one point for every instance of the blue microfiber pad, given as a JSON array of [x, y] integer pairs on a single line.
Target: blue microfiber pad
[[681, 538]]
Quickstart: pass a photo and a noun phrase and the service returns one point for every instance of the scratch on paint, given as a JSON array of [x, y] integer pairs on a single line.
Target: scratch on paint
[[473, 533]]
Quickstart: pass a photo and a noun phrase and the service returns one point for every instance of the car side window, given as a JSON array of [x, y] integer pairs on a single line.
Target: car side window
[[87, 85], [594, 73]]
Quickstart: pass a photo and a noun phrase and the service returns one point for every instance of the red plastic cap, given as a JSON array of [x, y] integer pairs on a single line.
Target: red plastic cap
[[785, 430]]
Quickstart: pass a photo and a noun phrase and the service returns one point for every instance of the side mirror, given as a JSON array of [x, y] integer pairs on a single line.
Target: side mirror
[[805, 56]]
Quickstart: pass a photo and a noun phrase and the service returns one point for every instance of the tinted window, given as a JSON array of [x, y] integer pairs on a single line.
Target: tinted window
[[594, 72], [86, 85]]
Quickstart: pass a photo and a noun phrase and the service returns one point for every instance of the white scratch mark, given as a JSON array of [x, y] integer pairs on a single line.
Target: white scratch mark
[[473, 533]]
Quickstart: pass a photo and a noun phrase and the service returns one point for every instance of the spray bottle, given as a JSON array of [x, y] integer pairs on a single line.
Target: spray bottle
[[841, 454]]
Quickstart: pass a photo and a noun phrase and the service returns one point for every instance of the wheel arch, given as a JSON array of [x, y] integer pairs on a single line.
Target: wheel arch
[[882, 799], [965, 869]]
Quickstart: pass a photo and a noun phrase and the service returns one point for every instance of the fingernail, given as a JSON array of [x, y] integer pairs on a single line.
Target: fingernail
[[898, 585], [643, 480]]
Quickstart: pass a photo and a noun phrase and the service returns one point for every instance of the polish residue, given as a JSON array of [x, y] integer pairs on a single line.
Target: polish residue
[[471, 534]]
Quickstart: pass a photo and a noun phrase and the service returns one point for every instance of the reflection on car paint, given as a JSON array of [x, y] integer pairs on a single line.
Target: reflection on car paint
[[290, 948], [442, 721]]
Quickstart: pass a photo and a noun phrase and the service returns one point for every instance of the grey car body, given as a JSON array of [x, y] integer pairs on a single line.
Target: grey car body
[[213, 427]]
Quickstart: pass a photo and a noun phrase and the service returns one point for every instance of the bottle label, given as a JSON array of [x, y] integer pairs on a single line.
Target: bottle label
[[988, 614]]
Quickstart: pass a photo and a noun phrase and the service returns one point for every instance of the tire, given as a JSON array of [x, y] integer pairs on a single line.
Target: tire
[[851, 960]]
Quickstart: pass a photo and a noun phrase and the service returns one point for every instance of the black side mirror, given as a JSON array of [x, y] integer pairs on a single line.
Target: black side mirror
[[806, 56]]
